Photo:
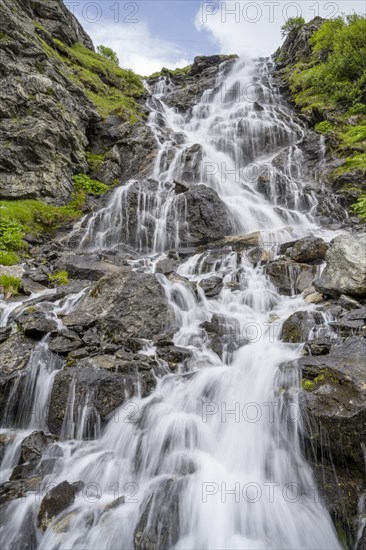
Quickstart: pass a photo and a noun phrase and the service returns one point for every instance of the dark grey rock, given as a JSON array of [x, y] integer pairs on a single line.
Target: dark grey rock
[[56, 501], [35, 324], [308, 249], [298, 326], [211, 286], [289, 277]]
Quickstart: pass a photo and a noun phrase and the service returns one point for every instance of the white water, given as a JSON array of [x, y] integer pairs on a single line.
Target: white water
[[223, 434]]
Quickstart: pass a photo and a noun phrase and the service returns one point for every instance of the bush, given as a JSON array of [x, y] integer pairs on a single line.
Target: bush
[[82, 182], [9, 286], [292, 24], [11, 235], [61, 278], [324, 127], [108, 53], [359, 208], [8, 258]]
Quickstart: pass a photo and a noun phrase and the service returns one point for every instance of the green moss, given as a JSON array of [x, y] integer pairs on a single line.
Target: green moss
[[8, 258], [307, 385], [61, 278], [9, 285], [94, 161], [172, 72], [82, 182], [324, 127], [359, 208], [4, 36], [355, 163]]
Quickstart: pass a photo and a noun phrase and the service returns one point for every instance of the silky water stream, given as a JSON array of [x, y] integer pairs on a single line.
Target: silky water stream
[[212, 458]]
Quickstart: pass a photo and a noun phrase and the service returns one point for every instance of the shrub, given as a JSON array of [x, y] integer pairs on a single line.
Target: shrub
[[307, 385], [60, 278], [9, 285], [8, 258], [82, 182], [11, 234], [324, 127], [292, 24], [359, 208]]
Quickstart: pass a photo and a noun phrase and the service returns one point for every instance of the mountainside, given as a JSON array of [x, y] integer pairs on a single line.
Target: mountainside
[[182, 295]]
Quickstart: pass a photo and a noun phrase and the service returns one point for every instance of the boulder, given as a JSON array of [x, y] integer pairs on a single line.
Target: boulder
[[35, 324], [33, 446], [308, 249], [56, 501], [299, 325], [289, 277], [211, 286], [126, 304], [65, 342], [345, 272], [158, 524]]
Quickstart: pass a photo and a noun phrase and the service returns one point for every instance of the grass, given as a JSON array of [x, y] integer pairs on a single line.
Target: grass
[[60, 278], [111, 88], [19, 218], [352, 164], [9, 286], [324, 127], [172, 72], [8, 258]]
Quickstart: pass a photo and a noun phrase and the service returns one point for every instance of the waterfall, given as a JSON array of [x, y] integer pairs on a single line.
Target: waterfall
[[212, 458]]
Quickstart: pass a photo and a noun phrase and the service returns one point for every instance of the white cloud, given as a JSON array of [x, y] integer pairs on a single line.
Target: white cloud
[[254, 27], [136, 48]]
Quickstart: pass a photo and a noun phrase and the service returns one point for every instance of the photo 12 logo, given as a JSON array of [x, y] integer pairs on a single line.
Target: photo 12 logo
[[253, 12], [93, 12]]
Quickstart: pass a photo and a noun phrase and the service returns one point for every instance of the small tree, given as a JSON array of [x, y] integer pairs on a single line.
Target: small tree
[[108, 53], [292, 24]]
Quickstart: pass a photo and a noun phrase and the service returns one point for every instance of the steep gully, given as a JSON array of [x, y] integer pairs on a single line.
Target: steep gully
[[212, 458]]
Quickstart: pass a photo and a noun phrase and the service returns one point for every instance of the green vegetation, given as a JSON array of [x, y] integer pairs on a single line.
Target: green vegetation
[[84, 183], [61, 278], [359, 208], [111, 88], [292, 24], [94, 161], [307, 385], [9, 286], [172, 72], [108, 53], [8, 258], [331, 85], [32, 217], [324, 127]]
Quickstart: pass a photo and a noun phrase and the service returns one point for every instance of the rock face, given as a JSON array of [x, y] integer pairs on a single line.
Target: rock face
[[127, 305], [44, 116], [305, 250], [290, 277], [345, 272]]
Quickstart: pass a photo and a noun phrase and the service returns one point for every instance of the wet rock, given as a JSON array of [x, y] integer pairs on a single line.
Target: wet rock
[[308, 249], [299, 325], [211, 286], [30, 287], [88, 267], [173, 355], [224, 334], [166, 266], [64, 343], [334, 405], [345, 272], [158, 524], [6, 438], [14, 357], [318, 346], [180, 187], [4, 333], [117, 502], [10, 490], [347, 302], [56, 501], [127, 305], [102, 381], [33, 446], [242, 242], [314, 298], [78, 321], [35, 324], [350, 323], [206, 215], [289, 277]]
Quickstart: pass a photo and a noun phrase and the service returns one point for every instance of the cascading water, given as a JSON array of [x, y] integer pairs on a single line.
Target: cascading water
[[213, 455]]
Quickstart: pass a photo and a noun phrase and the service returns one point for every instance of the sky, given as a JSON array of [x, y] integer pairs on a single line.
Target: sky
[[150, 34]]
